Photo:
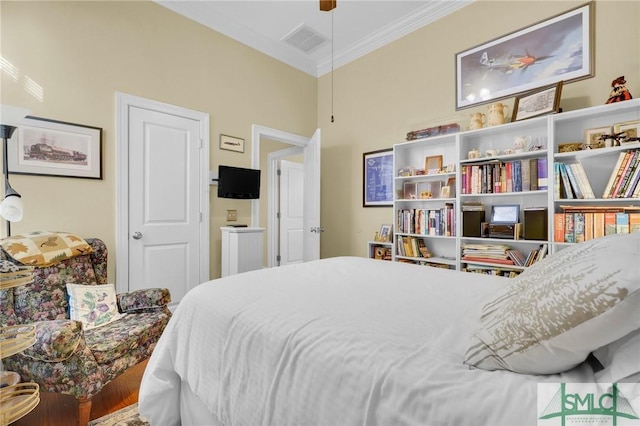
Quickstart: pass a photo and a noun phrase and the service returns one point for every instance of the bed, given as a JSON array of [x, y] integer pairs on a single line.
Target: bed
[[355, 341]]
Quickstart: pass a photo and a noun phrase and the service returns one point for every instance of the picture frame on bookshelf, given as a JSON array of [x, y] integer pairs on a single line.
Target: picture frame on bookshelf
[[542, 101], [630, 128], [593, 137], [410, 191], [427, 190], [433, 164], [385, 233]]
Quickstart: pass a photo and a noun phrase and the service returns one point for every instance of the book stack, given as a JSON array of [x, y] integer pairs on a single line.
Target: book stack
[[571, 181], [495, 176], [487, 253], [582, 223], [625, 177]]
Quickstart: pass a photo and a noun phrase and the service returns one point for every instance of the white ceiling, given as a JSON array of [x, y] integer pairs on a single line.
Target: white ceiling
[[358, 27]]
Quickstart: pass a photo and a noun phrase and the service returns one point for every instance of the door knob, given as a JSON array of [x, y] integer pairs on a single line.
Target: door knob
[[137, 235], [317, 229]]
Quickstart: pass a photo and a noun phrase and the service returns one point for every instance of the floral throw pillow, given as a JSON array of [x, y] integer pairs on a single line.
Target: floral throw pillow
[[93, 305]]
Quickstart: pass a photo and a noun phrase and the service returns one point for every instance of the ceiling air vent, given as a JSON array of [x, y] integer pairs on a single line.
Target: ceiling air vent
[[305, 39]]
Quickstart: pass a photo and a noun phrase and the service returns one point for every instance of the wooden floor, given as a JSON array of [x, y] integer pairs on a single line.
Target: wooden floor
[[62, 410]]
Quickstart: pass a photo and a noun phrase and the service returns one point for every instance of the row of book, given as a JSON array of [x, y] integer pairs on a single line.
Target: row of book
[[624, 181], [502, 254], [411, 247], [439, 222], [571, 181], [497, 176], [579, 224], [509, 273]]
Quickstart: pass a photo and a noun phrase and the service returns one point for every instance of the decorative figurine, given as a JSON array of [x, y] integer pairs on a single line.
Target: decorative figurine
[[619, 92]]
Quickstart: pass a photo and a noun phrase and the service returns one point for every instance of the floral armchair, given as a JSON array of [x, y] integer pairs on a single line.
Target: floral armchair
[[67, 358]]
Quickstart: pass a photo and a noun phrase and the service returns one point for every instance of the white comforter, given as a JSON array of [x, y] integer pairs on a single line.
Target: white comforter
[[340, 341]]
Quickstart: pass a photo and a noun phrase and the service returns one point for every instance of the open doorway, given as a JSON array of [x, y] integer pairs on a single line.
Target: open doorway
[[287, 145]]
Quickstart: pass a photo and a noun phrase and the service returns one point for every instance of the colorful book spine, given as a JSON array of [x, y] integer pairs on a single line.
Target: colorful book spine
[[609, 223], [558, 227], [542, 173], [569, 237], [583, 180], [634, 222], [622, 223], [533, 173], [612, 177], [578, 227], [574, 181], [588, 226]]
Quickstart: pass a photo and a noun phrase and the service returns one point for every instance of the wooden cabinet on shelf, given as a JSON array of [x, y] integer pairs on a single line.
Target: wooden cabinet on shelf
[[513, 164]]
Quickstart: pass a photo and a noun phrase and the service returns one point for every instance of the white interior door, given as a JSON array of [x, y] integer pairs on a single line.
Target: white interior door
[[291, 212], [312, 226], [311, 206], [165, 187]]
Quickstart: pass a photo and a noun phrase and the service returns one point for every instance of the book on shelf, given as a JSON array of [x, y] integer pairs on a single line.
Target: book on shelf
[[564, 189], [558, 227], [533, 173], [573, 181], [623, 180], [542, 173], [582, 179], [622, 223]]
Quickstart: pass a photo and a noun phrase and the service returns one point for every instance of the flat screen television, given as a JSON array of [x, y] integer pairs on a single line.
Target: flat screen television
[[236, 182], [505, 213]]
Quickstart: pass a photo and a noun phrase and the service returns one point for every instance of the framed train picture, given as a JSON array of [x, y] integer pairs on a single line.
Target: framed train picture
[[55, 148]]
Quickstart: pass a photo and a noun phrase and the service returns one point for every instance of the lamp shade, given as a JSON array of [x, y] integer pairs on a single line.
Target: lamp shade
[[12, 208]]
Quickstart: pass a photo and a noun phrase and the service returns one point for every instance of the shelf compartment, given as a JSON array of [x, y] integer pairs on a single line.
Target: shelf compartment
[[17, 401], [16, 338]]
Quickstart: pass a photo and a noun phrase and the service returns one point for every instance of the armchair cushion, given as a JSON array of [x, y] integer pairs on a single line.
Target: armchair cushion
[[55, 340], [120, 338], [143, 299], [93, 305]]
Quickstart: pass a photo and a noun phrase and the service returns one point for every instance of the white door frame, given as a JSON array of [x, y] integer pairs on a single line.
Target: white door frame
[[258, 132], [123, 103], [273, 229]]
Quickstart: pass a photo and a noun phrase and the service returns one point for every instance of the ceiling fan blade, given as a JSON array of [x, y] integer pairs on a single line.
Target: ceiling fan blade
[[327, 5]]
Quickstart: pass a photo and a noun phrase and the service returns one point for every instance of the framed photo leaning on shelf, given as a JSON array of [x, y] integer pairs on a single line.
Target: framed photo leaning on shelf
[[377, 178], [542, 101], [433, 164], [593, 137], [630, 128], [385, 233]]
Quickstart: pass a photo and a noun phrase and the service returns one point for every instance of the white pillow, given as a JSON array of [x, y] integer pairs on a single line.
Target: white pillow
[[93, 305], [620, 359], [562, 308]]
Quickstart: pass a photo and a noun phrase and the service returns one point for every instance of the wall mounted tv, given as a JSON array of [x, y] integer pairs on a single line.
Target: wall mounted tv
[[236, 182]]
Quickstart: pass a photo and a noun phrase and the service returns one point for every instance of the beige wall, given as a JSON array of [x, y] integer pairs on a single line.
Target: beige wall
[[410, 84], [82, 53]]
